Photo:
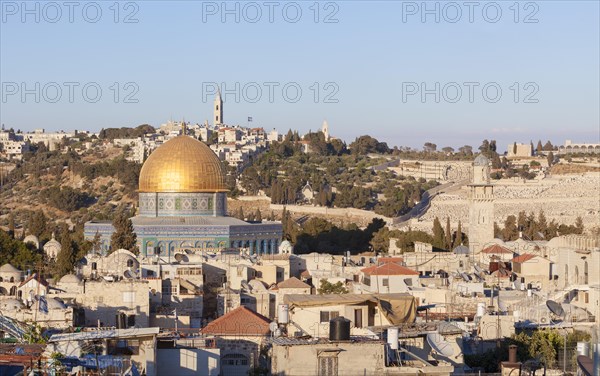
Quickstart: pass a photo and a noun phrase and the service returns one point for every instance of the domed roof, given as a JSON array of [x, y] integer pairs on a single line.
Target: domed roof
[[11, 303], [8, 268], [70, 278], [481, 160], [54, 303], [183, 164], [31, 239], [52, 243]]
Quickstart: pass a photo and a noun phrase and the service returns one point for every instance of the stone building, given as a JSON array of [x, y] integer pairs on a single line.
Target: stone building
[[183, 207], [481, 205], [517, 150], [240, 334]]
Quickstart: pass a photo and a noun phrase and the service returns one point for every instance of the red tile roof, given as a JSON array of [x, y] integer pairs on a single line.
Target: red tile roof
[[389, 269], [239, 322], [385, 260], [523, 258], [292, 283], [496, 249]]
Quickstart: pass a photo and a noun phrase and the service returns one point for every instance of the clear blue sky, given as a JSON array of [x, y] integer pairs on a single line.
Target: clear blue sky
[[372, 55]]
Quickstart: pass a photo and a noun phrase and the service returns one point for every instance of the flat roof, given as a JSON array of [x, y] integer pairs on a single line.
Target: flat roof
[[102, 334]]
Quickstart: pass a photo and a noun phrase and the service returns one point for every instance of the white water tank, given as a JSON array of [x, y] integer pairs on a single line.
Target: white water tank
[[480, 309], [283, 314], [392, 338]]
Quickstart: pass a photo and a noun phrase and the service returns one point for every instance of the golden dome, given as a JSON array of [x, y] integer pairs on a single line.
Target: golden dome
[[183, 164]]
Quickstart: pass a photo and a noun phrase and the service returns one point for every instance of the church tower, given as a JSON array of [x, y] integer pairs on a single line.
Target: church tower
[[325, 130], [218, 110], [481, 206]]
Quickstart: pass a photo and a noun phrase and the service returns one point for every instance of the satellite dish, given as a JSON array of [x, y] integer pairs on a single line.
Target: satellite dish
[[555, 308], [246, 286], [273, 326], [408, 281], [465, 276], [478, 269], [127, 274], [439, 344], [189, 251], [180, 257]]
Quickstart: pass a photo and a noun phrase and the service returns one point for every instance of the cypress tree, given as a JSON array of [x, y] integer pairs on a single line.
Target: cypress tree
[[65, 260], [258, 215], [124, 236], [458, 239], [438, 234], [448, 234]]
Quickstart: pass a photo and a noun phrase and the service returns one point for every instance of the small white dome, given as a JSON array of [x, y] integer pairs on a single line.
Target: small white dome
[[11, 304], [8, 268], [31, 239], [70, 278]]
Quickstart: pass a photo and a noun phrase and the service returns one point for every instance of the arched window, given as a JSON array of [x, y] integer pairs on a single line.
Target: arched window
[[13, 291], [585, 273], [129, 263], [12, 279], [94, 266], [1, 280], [566, 276], [576, 276]]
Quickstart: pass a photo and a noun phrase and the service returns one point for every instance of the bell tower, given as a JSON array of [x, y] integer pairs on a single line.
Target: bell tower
[[218, 110], [481, 205]]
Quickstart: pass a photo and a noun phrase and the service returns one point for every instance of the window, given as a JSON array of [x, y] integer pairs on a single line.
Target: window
[[279, 275], [328, 315], [128, 296], [367, 280], [385, 282], [169, 290], [328, 365], [358, 318]]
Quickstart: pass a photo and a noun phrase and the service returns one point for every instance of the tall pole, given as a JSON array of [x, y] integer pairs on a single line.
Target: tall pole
[[565, 354]]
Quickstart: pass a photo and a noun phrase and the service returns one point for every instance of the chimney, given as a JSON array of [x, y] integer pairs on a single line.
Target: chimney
[[512, 353]]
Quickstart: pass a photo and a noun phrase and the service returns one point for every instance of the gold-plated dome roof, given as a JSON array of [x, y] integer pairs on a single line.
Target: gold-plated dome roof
[[183, 164]]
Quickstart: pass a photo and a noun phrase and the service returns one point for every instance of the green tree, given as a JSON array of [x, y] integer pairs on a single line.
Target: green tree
[[458, 238], [438, 234], [331, 288], [65, 260], [11, 225], [37, 223], [510, 230], [539, 148], [550, 158], [258, 215], [124, 236], [579, 225], [448, 233]]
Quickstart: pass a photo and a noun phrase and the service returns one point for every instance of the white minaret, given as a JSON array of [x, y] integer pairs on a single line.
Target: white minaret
[[218, 110], [325, 130], [481, 206]]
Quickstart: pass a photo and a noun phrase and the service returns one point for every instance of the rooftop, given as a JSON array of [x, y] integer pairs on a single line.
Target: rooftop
[[523, 258], [239, 322], [389, 268], [102, 334], [496, 249], [292, 283]]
